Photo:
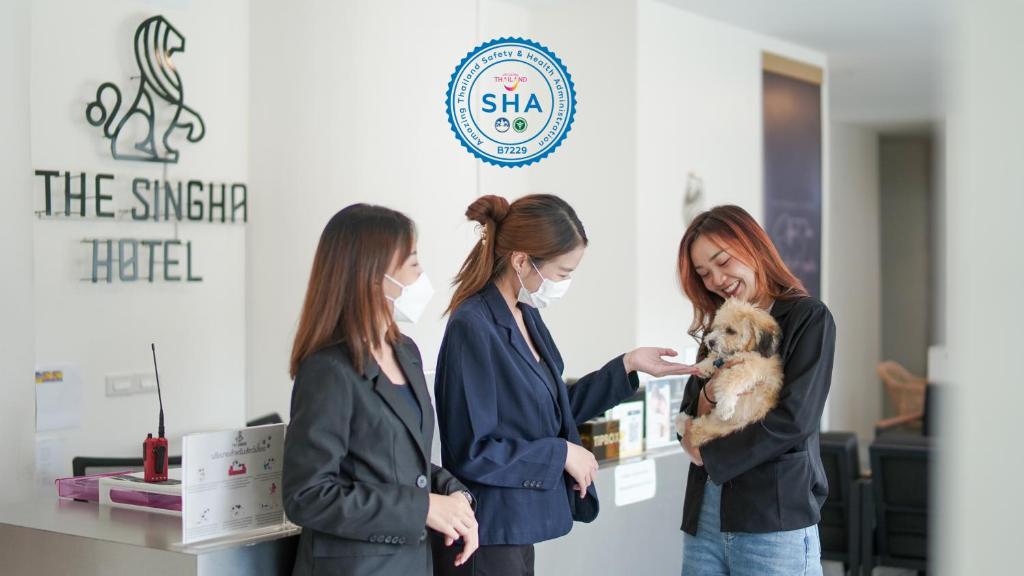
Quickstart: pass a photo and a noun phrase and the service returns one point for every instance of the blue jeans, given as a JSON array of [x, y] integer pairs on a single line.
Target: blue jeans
[[715, 553]]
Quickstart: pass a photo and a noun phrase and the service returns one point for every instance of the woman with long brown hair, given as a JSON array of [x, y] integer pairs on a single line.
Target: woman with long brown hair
[[508, 422], [753, 498], [357, 471]]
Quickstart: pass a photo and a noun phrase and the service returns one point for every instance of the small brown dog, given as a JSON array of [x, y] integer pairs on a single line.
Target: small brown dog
[[743, 349]]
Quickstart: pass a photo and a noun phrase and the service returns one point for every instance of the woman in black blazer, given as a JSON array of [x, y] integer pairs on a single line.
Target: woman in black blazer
[[507, 420], [357, 470], [753, 498]]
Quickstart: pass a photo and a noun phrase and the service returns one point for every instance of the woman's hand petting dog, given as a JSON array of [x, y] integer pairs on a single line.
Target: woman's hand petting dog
[[651, 361]]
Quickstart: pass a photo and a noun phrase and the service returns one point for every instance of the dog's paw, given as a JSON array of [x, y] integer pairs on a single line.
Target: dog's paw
[[699, 435], [681, 419], [706, 368]]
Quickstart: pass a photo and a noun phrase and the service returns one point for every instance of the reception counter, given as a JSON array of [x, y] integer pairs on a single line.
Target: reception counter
[[45, 535], [640, 538]]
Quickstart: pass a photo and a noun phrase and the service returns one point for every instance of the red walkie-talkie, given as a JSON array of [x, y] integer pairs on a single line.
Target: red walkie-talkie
[[154, 450]]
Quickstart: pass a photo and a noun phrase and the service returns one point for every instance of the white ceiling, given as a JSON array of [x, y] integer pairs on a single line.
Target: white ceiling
[[885, 57]]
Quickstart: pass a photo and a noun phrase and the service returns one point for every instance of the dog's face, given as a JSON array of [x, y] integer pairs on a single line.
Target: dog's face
[[743, 327]]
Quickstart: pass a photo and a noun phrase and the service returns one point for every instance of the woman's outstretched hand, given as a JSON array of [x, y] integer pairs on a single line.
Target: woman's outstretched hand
[[649, 360]]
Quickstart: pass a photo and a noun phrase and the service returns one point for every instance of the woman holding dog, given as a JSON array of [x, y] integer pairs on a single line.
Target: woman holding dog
[[753, 498], [507, 420]]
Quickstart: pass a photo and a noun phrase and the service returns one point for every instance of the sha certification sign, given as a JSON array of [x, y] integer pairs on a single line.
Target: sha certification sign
[[511, 102]]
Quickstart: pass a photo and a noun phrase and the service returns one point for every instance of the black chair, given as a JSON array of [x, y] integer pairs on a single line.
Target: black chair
[[272, 418], [84, 465], [839, 529], [896, 507]]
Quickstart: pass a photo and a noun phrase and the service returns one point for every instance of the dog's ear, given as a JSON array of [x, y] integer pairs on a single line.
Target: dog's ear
[[768, 344]]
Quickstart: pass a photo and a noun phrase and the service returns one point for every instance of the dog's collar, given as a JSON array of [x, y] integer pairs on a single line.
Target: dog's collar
[[719, 362]]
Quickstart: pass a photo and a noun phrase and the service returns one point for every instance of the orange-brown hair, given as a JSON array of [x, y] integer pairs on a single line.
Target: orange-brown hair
[[736, 231], [541, 225], [345, 297]]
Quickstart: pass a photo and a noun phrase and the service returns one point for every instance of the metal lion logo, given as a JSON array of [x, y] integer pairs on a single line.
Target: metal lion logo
[[143, 130]]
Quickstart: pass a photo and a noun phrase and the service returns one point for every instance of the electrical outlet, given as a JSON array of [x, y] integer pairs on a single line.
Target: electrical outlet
[[122, 384], [147, 383]]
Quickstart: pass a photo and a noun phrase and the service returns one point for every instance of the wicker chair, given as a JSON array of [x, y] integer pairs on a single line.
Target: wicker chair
[[907, 393]]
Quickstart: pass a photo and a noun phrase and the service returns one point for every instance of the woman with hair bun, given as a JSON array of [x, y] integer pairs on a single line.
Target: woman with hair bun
[[508, 422]]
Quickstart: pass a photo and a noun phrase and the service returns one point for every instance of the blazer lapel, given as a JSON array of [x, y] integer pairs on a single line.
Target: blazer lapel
[[503, 316], [393, 398], [542, 349], [413, 370]]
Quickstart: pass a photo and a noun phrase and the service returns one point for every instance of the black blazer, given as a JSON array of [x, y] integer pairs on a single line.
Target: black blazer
[[357, 471], [505, 419], [771, 473]]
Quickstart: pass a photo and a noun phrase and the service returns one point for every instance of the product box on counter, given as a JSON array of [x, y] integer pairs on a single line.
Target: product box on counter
[[130, 490], [630, 415], [601, 436]]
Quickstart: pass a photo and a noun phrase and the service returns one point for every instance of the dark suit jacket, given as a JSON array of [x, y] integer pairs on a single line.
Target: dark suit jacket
[[357, 471], [505, 418], [771, 473]]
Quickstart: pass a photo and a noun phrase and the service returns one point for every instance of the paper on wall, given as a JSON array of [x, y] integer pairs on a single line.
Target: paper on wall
[[58, 397]]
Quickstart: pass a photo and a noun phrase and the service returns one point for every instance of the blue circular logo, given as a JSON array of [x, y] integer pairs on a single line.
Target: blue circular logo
[[511, 83]]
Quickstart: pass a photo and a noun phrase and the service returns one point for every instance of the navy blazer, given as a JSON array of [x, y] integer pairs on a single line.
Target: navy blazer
[[505, 418]]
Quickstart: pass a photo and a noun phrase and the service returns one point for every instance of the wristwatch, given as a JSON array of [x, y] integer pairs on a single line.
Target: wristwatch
[[469, 496]]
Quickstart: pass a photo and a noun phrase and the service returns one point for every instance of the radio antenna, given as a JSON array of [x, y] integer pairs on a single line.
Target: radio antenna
[[160, 428]]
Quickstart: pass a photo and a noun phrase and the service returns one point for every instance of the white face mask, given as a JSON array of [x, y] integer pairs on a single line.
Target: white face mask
[[413, 300], [547, 291]]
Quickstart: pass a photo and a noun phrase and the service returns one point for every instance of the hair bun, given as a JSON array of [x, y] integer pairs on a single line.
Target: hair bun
[[488, 209]]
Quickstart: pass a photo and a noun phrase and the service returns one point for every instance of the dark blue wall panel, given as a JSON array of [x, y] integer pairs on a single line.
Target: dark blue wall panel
[[792, 174]]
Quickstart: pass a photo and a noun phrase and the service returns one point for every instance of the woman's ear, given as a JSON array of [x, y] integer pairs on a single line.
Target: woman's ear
[[518, 262]]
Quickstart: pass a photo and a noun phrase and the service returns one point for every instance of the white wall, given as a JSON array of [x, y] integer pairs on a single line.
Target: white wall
[[594, 169], [17, 419], [978, 521], [367, 125], [616, 61], [855, 279], [699, 110], [661, 92], [106, 329]]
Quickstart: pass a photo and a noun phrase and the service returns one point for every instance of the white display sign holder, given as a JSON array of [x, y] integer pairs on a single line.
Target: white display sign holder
[[231, 483], [660, 431], [635, 482]]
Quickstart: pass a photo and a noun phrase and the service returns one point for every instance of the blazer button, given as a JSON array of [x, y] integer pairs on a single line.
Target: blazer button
[[421, 481], [526, 483], [373, 539], [423, 535], [387, 539], [401, 540]]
